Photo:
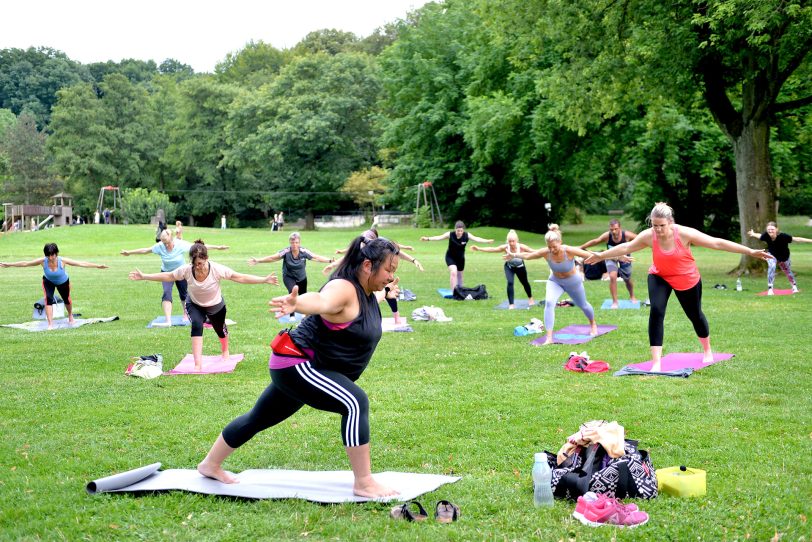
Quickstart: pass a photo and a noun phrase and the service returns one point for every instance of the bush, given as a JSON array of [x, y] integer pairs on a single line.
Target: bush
[[423, 217], [139, 205]]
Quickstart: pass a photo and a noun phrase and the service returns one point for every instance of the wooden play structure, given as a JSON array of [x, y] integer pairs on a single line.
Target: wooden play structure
[[429, 197], [35, 217]]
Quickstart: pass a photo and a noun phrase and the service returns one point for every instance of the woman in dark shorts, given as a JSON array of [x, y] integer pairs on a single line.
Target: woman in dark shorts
[[455, 254]]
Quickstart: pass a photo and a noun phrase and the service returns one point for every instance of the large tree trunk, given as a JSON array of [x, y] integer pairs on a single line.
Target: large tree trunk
[[755, 187]]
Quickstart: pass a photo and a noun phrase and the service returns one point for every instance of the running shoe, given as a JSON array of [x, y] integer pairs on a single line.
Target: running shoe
[[795, 289], [770, 291], [608, 511]]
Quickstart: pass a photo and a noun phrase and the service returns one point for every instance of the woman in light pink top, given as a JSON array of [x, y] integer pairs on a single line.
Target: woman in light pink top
[[674, 269], [205, 299]]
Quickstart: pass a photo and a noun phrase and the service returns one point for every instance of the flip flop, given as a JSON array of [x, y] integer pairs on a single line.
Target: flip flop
[[446, 512], [402, 511]]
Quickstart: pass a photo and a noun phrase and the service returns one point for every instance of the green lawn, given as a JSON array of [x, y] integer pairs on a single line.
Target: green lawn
[[464, 397]]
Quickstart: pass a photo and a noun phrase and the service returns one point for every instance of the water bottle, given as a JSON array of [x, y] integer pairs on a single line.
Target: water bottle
[[542, 476], [738, 285]]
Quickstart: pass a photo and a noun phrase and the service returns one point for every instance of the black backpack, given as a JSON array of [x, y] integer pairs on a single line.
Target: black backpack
[[477, 292], [594, 271], [591, 469]]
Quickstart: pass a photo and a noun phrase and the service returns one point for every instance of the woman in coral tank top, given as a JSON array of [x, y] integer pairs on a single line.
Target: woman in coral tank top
[[674, 269]]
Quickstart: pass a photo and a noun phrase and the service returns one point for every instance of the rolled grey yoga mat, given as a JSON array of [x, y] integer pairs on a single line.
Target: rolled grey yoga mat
[[121, 480]]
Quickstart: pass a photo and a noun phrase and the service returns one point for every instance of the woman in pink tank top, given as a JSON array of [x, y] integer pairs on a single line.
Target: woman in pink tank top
[[674, 269]]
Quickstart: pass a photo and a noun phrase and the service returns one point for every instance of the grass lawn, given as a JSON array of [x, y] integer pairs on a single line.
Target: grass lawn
[[464, 397]]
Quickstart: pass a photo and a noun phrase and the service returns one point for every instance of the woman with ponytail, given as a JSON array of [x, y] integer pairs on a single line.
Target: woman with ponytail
[[204, 299], [318, 363]]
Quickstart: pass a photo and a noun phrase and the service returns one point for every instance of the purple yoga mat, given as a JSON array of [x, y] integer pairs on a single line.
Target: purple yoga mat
[[682, 360], [575, 335], [211, 364], [776, 292]]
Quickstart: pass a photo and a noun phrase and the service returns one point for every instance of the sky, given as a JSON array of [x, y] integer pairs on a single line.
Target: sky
[[198, 33]]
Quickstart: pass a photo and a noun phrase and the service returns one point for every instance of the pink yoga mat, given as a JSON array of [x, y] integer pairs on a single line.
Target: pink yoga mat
[[777, 292], [211, 364], [682, 360], [578, 334]]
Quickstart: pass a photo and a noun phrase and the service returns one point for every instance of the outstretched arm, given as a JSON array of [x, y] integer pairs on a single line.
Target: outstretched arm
[[602, 238], [29, 263], [479, 239], [321, 259], [404, 247], [78, 263], [801, 240], [500, 248], [437, 237], [266, 259], [164, 276], [704, 240], [336, 296], [753, 234], [136, 251], [217, 247], [576, 251], [244, 278], [640, 242], [536, 254]]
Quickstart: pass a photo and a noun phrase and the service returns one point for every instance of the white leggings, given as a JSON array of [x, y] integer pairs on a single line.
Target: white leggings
[[574, 286]]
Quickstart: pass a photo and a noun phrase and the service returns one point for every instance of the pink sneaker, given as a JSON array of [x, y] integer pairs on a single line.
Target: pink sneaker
[[590, 497], [608, 511]]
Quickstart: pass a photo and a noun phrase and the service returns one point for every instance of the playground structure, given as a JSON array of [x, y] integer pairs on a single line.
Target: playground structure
[[116, 193], [430, 201], [30, 217]]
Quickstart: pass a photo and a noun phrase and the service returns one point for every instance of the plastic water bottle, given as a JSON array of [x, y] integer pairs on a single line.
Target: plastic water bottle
[[738, 285], [542, 476]]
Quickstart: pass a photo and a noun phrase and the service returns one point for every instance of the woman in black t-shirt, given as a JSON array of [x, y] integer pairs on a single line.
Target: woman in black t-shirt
[[778, 245], [455, 254]]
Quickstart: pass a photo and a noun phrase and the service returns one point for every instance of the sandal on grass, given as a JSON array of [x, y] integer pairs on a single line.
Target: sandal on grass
[[446, 512], [405, 511]]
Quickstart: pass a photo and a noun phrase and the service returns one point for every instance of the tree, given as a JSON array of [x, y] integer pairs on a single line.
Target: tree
[[366, 187], [253, 66], [30, 79], [194, 156], [302, 135], [745, 61], [328, 41], [170, 66], [28, 161]]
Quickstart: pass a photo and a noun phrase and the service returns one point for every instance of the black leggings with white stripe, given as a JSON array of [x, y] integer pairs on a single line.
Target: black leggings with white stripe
[[292, 388]]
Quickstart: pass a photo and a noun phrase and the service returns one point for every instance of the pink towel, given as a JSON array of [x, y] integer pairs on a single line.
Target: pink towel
[[211, 364], [682, 360], [776, 292]]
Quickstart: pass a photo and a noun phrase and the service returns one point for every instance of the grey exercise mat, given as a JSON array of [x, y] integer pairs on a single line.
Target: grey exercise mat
[[62, 323], [316, 486]]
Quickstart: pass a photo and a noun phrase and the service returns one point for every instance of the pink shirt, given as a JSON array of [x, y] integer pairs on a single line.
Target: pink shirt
[[207, 292], [677, 267]]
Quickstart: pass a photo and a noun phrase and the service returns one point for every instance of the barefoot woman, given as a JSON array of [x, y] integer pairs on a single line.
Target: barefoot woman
[[674, 269], [318, 363]]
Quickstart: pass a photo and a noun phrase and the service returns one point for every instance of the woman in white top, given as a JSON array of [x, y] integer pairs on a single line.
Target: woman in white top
[[204, 296], [172, 251], [514, 267]]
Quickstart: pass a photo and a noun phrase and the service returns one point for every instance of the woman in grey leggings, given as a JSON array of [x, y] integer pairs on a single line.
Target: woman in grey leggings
[[564, 277]]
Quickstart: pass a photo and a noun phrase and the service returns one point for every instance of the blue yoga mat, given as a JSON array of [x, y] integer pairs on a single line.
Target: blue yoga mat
[[621, 304], [520, 304], [446, 292], [177, 320], [294, 318]]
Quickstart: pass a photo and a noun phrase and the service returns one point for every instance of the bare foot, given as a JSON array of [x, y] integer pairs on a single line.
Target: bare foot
[[593, 330], [548, 340], [614, 306], [225, 357], [199, 367], [50, 326], [216, 472], [656, 366], [633, 300], [71, 321], [707, 357], [368, 487], [511, 307]]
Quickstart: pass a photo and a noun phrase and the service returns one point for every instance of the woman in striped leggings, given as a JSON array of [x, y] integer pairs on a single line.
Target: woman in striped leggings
[[317, 363]]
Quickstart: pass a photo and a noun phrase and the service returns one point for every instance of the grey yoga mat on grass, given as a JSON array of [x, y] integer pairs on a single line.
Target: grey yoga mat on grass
[[316, 486]]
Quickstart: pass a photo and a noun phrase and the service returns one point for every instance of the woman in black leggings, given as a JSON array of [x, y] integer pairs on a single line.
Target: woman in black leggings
[[674, 269], [514, 267], [317, 363]]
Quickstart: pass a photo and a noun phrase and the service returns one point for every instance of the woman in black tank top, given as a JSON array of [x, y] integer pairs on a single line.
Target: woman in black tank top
[[318, 363], [455, 255]]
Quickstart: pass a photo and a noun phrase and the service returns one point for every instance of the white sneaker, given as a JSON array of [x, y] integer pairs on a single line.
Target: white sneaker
[[795, 289], [770, 291]]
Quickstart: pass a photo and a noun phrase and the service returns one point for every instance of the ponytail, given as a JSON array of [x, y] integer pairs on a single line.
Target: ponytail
[[376, 251]]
